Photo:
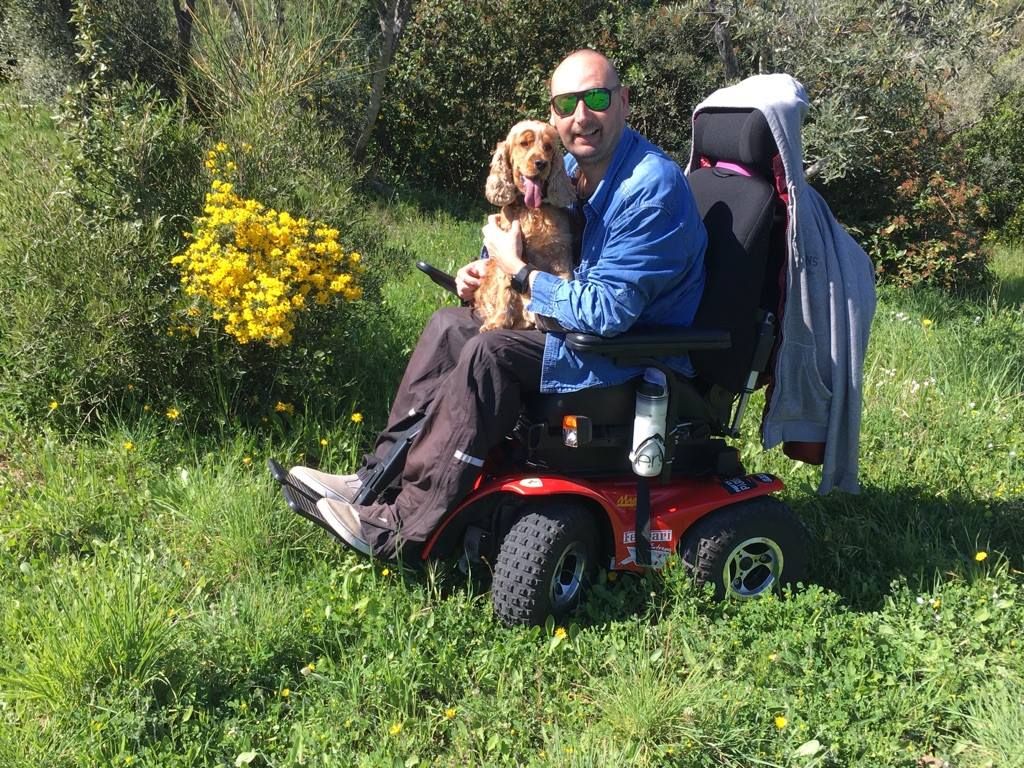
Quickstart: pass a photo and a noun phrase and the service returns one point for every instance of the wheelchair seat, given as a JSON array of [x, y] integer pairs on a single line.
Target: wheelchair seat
[[740, 198]]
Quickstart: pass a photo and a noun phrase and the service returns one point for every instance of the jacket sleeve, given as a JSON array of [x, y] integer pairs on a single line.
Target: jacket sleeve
[[642, 256]]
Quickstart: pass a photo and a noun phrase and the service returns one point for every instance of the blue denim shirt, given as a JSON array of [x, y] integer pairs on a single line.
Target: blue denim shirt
[[641, 265]]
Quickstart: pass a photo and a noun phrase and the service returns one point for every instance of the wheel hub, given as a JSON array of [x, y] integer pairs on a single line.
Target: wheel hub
[[752, 568], [567, 578]]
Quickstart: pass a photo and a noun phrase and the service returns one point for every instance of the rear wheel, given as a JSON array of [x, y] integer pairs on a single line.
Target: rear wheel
[[547, 561], [747, 549]]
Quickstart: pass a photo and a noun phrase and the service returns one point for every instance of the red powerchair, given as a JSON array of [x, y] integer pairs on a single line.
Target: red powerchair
[[595, 479]]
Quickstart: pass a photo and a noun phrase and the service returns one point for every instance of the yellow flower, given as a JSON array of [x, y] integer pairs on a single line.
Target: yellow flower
[[285, 693], [395, 729], [247, 460], [450, 713], [308, 669], [980, 556], [173, 413], [54, 405], [146, 408], [284, 407], [323, 441], [357, 417], [612, 576], [385, 572], [129, 445], [256, 267], [560, 632], [773, 657], [926, 323], [780, 722]]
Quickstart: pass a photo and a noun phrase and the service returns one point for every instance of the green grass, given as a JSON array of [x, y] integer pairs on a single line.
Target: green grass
[[160, 606]]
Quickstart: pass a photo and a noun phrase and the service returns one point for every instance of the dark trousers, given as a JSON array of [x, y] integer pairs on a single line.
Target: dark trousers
[[469, 386]]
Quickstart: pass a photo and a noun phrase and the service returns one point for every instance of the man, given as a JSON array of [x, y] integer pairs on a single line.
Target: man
[[640, 264]]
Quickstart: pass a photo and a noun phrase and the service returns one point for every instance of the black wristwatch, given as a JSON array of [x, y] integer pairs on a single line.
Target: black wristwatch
[[521, 279]]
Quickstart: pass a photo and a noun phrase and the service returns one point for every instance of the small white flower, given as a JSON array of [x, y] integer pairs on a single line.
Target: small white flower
[[972, 405], [920, 600]]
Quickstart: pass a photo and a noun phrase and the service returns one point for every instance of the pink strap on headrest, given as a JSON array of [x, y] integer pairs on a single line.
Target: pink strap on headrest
[[740, 169]]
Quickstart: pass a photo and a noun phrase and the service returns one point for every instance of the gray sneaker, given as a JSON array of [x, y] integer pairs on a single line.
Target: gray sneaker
[[339, 487], [344, 521]]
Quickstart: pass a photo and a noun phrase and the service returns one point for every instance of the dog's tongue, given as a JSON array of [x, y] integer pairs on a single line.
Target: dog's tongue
[[531, 193]]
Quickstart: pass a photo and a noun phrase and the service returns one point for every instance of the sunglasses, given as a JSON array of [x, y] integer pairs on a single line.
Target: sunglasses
[[597, 99]]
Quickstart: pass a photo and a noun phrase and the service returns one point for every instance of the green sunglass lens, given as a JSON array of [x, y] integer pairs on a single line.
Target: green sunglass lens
[[598, 99], [566, 103]]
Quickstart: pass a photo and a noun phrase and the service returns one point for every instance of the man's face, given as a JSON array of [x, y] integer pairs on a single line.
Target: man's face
[[591, 136]]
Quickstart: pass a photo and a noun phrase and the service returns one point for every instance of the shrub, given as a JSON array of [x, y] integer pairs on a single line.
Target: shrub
[[37, 46], [257, 267], [97, 311], [137, 38], [670, 67], [461, 79], [994, 152]]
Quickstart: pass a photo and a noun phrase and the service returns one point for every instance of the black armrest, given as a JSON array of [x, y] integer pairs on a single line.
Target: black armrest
[[645, 344], [440, 277]]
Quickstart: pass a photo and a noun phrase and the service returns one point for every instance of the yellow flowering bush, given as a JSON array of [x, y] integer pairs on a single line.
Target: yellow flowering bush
[[257, 267]]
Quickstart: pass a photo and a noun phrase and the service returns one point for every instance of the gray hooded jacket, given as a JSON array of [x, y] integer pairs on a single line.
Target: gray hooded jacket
[[829, 304]]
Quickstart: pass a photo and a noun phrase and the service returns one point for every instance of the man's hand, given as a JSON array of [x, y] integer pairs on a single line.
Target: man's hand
[[504, 248], [467, 279]]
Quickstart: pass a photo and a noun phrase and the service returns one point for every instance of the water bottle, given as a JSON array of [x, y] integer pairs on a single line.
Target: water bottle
[[648, 452]]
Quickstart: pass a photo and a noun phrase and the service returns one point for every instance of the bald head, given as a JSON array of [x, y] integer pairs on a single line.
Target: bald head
[[583, 62]]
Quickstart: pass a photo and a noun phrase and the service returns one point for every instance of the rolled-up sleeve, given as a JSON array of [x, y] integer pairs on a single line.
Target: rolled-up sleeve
[[643, 256]]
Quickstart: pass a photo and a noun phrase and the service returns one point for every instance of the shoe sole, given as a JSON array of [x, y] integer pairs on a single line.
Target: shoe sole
[[305, 507], [281, 476]]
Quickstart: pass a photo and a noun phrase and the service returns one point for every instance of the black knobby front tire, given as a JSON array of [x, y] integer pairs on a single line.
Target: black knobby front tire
[[546, 562], [747, 549]]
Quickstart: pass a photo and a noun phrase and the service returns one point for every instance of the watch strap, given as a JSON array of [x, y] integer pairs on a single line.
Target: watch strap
[[521, 279]]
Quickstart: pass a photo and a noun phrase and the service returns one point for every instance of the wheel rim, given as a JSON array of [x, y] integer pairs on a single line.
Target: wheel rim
[[752, 568], [567, 579]]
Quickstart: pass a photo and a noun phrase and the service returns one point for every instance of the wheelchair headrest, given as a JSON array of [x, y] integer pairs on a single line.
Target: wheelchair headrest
[[736, 136]]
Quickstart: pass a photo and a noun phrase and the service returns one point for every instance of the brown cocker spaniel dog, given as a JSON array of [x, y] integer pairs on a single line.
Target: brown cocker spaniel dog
[[529, 182]]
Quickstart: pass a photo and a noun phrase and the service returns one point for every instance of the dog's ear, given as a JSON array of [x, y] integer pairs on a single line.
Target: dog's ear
[[500, 188], [560, 191]]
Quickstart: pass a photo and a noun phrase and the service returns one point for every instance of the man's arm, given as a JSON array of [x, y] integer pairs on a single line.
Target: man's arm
[[647, 252]]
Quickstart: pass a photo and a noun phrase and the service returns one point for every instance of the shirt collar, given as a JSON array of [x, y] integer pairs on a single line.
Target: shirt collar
[[602, 195]]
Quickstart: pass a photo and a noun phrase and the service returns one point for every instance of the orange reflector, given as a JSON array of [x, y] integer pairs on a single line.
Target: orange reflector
[[568, 422]]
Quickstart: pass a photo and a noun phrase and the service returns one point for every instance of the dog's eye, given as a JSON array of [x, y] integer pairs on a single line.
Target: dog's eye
[[547, 147]]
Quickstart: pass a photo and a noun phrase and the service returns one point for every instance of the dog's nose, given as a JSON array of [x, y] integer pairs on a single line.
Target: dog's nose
[[541, 164]]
